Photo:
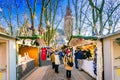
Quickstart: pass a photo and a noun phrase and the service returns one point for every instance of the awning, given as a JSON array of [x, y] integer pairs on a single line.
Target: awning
[[80, 40]]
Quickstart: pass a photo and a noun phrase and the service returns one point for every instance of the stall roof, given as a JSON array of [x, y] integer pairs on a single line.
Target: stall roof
[[85, 37], [39, 39], [117, 32], [7, 36], [41, 42], [74, 40]]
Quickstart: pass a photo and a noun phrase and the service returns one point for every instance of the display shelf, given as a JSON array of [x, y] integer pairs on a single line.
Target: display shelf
[[25, 68]]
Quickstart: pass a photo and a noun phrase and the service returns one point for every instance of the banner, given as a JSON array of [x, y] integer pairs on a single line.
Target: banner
[[43, 54]]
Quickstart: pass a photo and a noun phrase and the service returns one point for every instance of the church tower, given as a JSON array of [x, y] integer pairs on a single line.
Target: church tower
[[68, 22]]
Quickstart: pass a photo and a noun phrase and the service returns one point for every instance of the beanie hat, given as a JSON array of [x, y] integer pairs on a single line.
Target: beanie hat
[[68, 51]]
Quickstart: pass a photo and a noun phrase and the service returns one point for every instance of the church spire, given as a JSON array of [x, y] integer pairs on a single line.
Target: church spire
[[68, 10], [68, 3], [68, 23]]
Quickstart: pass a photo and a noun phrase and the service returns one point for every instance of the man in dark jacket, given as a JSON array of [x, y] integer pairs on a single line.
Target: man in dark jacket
[[76, 57], [80, 57]]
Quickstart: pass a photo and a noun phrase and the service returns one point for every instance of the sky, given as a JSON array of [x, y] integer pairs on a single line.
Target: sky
[[23, 9]]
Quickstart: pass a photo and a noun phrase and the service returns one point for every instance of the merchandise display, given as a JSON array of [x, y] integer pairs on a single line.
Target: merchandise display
[[23, 59]]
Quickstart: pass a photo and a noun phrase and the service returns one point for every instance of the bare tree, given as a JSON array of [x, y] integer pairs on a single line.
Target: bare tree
[[32, 14], [50, 20], [81, 9], [24, 29], [8, 18], [44, 6], [112, 11], [99, 13], [17, 7], [75, 3]]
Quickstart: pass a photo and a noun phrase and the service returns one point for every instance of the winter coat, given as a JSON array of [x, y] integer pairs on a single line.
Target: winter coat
[[79, 55], [52, 57], [60, 54], [57, 59], [65, 61]]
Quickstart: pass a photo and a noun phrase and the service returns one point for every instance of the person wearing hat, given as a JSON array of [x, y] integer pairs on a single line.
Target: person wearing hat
[[68, 58], [57, 61]]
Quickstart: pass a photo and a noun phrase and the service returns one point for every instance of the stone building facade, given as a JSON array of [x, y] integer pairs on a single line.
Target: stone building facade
[[68, 22]]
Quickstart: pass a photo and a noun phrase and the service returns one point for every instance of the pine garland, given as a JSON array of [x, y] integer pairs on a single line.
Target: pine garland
[[86, 37], [118, 41], [30, 37]]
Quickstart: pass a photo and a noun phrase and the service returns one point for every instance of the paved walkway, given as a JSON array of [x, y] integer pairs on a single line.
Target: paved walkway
[[47, 73]]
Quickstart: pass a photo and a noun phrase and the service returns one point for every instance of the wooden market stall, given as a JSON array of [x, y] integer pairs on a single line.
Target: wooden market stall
[[30, 45], [32, 52], [91, 43], [29, 53], [7, 57], [111, 50]]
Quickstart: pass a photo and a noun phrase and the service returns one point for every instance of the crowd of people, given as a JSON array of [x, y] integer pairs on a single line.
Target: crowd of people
[[62, 56], [65, 56]]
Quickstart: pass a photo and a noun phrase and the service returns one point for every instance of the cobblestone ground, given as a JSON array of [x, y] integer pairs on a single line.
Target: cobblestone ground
[[51, 75], [45, 63], [47, 73], [48, 62]]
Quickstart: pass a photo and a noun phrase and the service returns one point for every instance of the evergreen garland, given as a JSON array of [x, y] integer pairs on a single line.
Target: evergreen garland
[[118, 41], [86, 37], [30, 37]]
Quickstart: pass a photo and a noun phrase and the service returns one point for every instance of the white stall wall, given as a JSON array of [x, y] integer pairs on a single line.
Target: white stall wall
[[110, 49], [12, 52], [10, 55], [107, 59]]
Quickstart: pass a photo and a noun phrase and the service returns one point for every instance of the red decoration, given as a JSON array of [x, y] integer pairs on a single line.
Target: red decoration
[[81, 39], [43, 55]]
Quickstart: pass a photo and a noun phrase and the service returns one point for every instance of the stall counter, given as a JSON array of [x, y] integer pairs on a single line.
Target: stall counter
[[88, 67]]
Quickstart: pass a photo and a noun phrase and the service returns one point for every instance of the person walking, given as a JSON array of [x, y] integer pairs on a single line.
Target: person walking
[[80, 59], [76, 57], [57, 61], [53, 59], [68, 63], [60, 54]]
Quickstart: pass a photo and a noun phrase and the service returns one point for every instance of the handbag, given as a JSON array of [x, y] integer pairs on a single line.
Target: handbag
[[70, 63]]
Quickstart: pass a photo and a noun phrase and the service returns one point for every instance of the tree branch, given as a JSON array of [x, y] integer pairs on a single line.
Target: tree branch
[[111, 14]]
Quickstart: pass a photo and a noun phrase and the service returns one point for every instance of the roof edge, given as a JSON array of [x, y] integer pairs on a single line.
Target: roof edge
[[5, 35]]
